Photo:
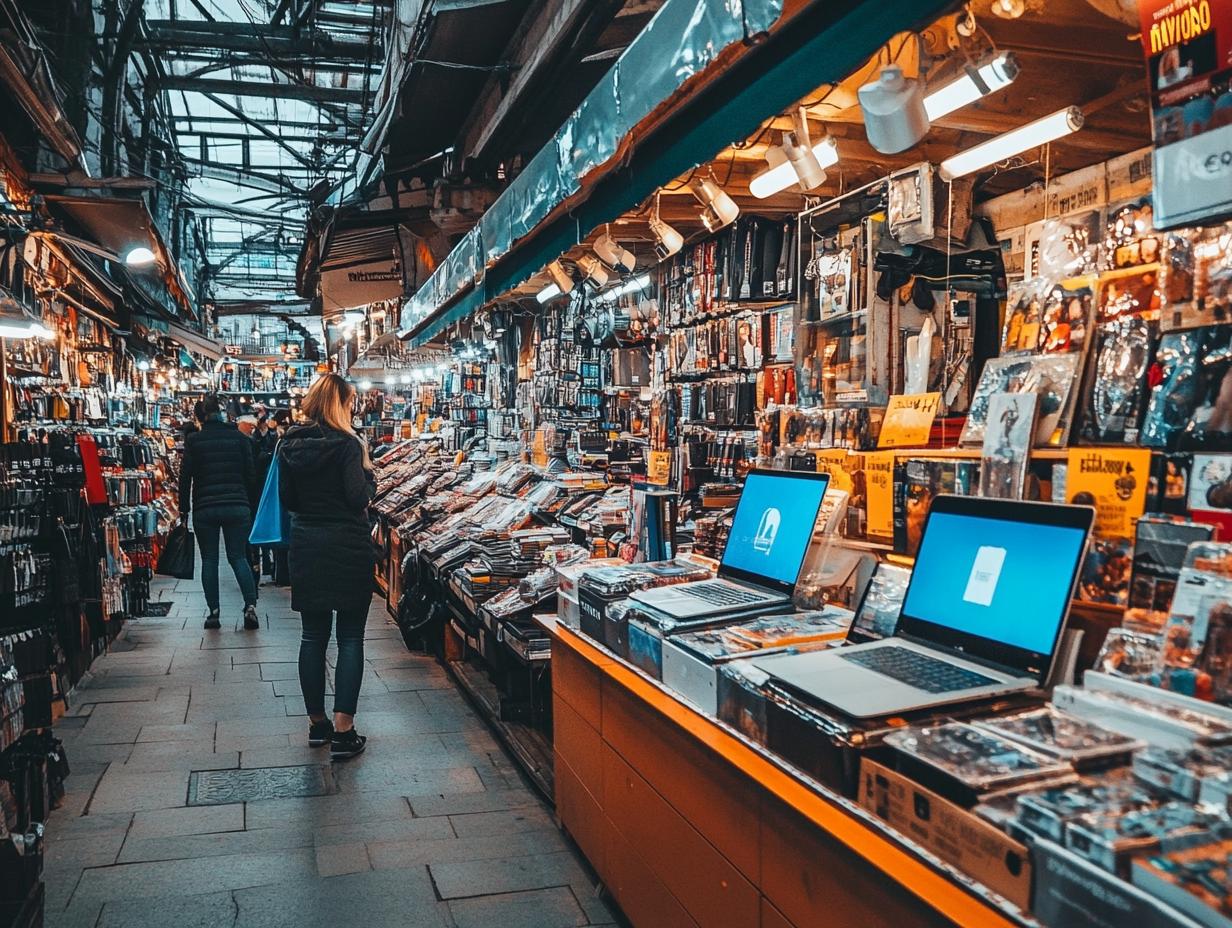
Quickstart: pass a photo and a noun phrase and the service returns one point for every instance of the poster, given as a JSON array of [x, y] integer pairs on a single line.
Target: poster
[[1210, 492], [1007, 444], [1114, 481], [879, 480], [1188, 48], [908, 420]]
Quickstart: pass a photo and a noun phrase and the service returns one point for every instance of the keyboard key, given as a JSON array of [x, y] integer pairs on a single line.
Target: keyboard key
[[720, 594], [918, 670]]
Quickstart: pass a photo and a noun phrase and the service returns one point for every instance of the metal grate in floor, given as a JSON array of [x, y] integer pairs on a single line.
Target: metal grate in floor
[[223, 787]]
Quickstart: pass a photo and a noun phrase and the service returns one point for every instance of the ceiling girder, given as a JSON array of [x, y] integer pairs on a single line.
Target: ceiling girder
[[309, 93], [244, 177], [168, 35]]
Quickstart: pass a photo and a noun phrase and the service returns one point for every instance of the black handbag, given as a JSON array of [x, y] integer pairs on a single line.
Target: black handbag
[[178, 555]]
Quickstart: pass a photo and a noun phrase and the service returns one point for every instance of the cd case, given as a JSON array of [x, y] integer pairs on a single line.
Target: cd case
[[1065, 737], [977, 759]]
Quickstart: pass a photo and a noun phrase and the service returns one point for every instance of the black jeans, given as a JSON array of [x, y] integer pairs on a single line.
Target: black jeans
[[235, 536], [350, 670]]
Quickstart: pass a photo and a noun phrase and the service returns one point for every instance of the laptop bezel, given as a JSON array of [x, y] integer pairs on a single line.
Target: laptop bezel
[[1006, 658], [737, 574]]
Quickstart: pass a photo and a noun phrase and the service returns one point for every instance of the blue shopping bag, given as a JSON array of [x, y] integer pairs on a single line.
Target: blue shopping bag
[[272, 524]]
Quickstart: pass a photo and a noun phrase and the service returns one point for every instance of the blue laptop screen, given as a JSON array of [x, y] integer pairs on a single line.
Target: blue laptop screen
[[773, 525], [1003, 580]]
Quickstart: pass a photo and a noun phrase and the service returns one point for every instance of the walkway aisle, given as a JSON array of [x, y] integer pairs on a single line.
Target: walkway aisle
[[187, 805]]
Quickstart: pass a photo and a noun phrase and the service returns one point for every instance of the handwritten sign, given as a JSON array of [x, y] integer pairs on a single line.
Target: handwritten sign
[[879, 481], [659, 468], [909, 420], [833, 461], [1114, 481]]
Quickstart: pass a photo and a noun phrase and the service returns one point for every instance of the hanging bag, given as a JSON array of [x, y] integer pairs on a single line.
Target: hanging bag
[[178, 554], [271, 526]]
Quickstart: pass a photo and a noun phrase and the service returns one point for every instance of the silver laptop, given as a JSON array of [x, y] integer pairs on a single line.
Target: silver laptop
[[770, 535], [983, 612]]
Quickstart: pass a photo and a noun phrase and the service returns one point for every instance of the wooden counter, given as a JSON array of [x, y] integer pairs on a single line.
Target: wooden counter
[[689, 824]]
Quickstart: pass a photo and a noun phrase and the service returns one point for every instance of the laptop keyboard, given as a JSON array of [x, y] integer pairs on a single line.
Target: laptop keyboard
[[918, 670], [720, 594]]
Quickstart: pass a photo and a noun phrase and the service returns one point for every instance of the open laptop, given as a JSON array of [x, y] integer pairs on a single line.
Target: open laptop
[[770, 535], [982, 615]]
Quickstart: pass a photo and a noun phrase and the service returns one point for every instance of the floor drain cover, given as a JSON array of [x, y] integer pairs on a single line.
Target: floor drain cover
[[221, 787]]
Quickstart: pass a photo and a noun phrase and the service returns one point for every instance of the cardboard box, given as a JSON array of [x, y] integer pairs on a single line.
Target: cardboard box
[[957, 836]]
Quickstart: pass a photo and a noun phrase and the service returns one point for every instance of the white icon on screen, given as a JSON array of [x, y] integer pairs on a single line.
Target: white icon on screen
[[985, 572], [767, 531]]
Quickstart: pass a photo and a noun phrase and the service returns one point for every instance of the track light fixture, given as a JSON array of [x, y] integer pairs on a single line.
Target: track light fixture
[[613, 254], [796, 161], [718, 209], [596, 274], [894, 114], [667, 240], [1032, 135]]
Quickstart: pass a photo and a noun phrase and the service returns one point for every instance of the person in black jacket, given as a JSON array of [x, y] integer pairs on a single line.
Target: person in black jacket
[[217, 473], [326, 482]]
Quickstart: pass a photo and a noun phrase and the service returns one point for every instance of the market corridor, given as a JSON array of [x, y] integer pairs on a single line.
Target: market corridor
[[431, 827]]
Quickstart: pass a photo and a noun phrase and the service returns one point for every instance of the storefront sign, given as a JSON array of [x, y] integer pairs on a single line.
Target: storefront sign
[[1188, 47], [1114, 481], [879, 481], [659, 468], [909, 420]]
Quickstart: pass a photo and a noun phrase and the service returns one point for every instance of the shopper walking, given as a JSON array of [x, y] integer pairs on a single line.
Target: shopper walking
[[216, 479], [326, 483]]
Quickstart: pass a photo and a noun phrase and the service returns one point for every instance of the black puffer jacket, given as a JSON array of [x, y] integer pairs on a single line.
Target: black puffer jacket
[[323, 484], [217, 473]]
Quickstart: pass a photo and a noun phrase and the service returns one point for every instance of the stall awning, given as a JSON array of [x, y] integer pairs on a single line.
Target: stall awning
[[195, 341], [120, 224], [659, 128], [368, 263]]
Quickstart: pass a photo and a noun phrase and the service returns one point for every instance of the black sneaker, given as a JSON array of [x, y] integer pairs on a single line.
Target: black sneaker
[[344, 745], [213, 620], [320, 733], [250, 618]]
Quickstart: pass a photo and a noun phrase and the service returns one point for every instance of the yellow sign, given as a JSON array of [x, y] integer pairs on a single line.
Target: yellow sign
[[659, 468], [539, 450], [1114, 481], [909, 420], [833, 461], [879, 481]]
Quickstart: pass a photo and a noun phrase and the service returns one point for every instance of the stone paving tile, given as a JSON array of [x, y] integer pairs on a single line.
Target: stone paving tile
[[457, 879], [337, 859], [540, 908], [432, 807], [192, 820], [211, 910]]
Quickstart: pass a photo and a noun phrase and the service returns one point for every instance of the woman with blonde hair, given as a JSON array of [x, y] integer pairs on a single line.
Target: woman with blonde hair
[[326, 483]]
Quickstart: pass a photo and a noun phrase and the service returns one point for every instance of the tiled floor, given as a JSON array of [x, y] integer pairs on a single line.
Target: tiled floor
[[431, 827]]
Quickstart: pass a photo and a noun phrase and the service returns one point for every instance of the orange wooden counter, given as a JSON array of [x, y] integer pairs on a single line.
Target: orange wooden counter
[[689, 824]]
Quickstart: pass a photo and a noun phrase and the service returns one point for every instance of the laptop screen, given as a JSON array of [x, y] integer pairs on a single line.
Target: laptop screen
[[994, 578], [772, 527]]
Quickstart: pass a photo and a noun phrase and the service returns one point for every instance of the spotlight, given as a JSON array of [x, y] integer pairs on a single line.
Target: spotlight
[[796, 161], [894, 113], [143, 365], [560, 277], [975, 82], [139, 257], [613, 254], [1033, 134], [667, 240], [719, 210], [365, 385], [1008, 9], [596, 274], [405, 378]]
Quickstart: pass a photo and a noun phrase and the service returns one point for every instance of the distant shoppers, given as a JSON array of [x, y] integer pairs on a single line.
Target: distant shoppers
[[216, 479], [282, 566], [247, 425], [326, 484]]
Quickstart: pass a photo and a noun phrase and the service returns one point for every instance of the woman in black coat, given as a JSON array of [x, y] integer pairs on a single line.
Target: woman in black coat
[[326, 482]]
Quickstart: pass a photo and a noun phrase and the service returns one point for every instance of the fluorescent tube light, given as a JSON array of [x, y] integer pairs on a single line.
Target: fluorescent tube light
[[782, 175], [976, 82], [1033, 134]]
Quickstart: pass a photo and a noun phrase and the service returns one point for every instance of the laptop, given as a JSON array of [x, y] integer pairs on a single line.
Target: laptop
[[770, 535], [982, 616]]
